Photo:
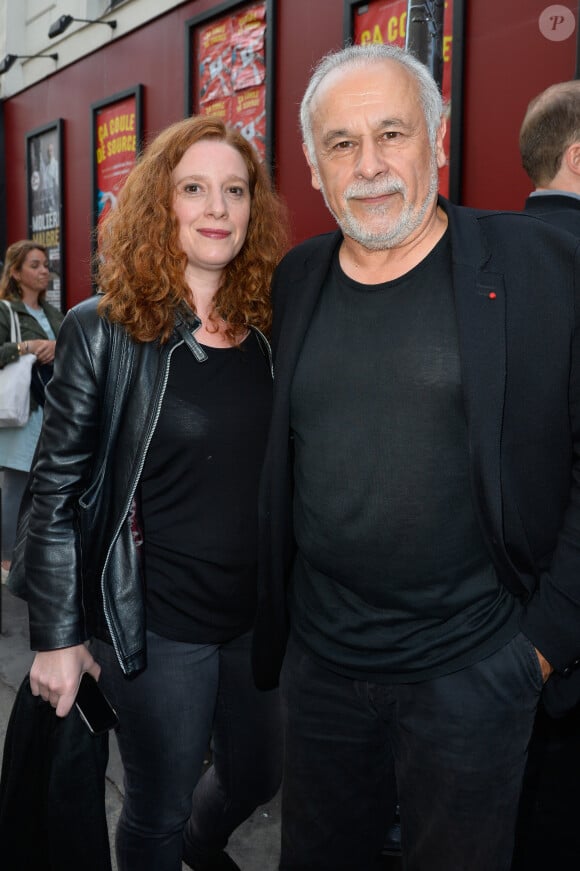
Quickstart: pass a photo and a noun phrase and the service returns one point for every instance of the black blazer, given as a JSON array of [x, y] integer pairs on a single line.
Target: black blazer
[[558, 209], [516, 283]]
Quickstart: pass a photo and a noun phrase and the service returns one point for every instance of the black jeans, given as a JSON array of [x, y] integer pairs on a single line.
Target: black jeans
[[188, 694], [547, 834], [455, 745]]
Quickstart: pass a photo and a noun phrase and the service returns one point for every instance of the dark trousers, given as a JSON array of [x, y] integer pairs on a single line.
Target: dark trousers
[[454, 747], [548, 830], [13, 486], [187, 695]]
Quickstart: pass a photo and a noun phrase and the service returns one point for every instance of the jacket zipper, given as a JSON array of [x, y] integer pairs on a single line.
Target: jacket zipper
[[130, 502], [138, 476]]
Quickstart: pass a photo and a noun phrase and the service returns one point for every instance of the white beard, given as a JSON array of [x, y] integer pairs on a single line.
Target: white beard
[[410, 218]]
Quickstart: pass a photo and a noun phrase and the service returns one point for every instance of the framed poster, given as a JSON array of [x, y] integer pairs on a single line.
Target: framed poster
[[229, 56], [44, 159], [385, 21], [115, 142]]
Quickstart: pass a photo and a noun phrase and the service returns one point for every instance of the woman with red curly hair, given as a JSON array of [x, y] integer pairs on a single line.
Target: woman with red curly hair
[[140, 558]]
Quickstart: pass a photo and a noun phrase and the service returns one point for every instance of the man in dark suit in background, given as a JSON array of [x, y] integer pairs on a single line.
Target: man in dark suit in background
[[548, 834], [550, 150], [420, 503]]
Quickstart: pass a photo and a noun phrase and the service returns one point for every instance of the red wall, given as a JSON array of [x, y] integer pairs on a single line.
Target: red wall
[[307, 29], [155, 57], [152, 56], [506, 63]]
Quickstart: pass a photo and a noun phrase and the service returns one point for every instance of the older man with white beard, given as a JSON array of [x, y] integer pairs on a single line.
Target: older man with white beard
[[421, 492]]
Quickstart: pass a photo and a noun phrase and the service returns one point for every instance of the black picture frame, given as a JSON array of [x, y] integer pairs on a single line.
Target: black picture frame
[[45, 198], [455, 133], [221, 10], [133, 96]]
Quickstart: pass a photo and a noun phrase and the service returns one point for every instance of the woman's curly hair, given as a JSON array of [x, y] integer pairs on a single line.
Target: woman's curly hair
[[140, 265]]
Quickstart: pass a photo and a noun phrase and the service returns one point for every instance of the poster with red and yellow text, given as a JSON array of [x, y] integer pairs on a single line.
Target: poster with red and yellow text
[[116, 150], [385, 21]]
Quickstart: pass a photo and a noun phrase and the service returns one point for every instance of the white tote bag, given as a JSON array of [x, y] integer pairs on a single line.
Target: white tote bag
[[15, 381]]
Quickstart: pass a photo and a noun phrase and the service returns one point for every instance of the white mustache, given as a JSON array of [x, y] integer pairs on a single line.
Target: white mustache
[[374, 189]]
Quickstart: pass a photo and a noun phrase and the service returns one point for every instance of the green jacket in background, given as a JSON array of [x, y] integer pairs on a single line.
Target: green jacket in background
[[29, 329]]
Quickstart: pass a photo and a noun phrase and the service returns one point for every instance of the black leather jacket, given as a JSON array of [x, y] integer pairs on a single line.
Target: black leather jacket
[[82, 559]]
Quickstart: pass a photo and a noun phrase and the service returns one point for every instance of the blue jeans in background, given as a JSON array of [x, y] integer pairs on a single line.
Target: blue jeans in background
[[13, 484]]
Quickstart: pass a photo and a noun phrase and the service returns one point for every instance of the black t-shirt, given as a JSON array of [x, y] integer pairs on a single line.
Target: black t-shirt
[[199, 492], [392, 577]]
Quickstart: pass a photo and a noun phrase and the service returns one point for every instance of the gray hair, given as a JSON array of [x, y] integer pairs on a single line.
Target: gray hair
[[357, 56]]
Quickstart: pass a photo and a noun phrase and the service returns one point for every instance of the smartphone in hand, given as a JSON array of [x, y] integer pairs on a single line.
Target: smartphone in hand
[[94, 707]]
